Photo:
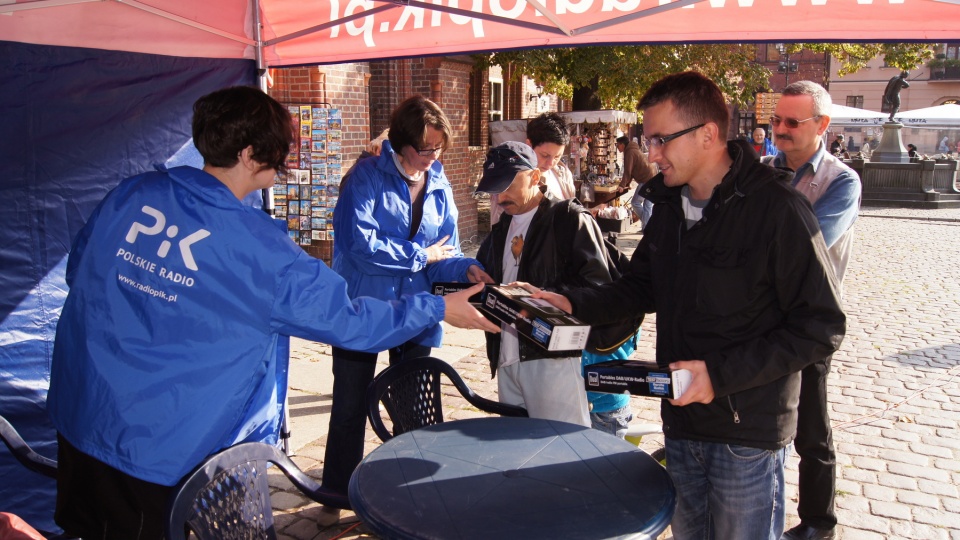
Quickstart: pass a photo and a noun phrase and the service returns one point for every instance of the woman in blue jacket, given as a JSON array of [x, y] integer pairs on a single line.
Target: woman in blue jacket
[[395, 228], [165, 348]]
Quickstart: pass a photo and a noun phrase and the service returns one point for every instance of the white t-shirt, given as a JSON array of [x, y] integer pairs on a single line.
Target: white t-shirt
[[509, 340]]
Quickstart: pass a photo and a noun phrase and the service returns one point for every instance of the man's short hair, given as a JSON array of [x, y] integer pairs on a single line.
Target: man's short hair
[[409, 121], [229, 120], [698, 100], [822, 103], [623, 140], [549, 127], [839, 135]]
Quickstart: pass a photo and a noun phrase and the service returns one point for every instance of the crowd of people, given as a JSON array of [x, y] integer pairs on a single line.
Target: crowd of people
[[742, 259]]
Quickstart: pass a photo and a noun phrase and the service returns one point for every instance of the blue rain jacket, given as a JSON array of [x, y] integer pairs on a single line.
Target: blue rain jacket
[[164, 352], [373, 247]]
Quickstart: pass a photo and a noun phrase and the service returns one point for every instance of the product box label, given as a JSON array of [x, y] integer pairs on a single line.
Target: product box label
[[443, 288], [535, 319], [636, 378]]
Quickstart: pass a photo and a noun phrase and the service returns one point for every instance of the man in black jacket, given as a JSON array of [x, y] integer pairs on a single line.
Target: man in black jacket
[[735, 267], [551, 244]]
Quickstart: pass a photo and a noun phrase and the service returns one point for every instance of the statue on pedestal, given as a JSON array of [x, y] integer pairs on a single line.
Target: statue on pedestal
[[891, 95]]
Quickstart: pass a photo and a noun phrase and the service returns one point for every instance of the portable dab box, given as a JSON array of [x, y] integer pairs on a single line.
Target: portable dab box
[[536, 319], [443, 288], [636, 378]]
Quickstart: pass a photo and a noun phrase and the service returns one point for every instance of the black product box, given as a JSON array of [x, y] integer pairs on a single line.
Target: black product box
[[535, 319], [613, 225], [443, 288], [636, 378]]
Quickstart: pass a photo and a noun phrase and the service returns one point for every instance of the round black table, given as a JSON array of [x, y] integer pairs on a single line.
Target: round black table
[[503, 477]]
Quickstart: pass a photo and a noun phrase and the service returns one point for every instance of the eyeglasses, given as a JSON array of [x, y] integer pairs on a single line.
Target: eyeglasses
[[792, 123], [428, 152], [660, 141]]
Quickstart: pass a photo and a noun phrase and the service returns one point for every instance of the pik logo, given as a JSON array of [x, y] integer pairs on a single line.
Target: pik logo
[[171, 232]]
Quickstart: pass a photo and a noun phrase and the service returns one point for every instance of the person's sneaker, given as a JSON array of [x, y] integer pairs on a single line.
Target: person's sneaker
[[327, 517], [806, 532]]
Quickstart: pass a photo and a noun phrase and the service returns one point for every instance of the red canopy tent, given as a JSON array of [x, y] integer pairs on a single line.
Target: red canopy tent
[[296, 32]]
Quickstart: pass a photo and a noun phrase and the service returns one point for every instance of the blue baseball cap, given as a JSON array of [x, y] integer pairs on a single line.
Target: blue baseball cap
[[502, 165]]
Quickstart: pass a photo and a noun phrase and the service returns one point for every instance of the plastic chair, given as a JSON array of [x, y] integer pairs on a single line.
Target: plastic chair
[[228, 496], [23, 453], [411, 396]]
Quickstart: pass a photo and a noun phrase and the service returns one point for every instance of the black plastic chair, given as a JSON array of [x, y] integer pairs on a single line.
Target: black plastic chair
[[23, 453], [410, 392], [228, 496]]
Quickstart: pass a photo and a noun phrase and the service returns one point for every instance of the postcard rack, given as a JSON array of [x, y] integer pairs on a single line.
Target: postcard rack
[[308, 193]]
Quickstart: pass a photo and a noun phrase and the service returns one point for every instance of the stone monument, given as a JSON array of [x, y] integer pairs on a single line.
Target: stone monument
[[891, 149]]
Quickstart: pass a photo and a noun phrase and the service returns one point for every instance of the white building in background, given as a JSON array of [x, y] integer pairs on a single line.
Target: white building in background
[[935, 83]]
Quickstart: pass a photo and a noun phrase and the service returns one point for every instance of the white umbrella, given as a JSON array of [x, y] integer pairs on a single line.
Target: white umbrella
[[939, 116], [841, 115]]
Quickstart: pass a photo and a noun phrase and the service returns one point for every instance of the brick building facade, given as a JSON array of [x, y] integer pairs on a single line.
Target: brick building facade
[[367, 93]]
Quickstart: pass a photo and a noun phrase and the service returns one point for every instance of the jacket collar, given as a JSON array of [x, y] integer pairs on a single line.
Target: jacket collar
[[385, 164], [743, 178]]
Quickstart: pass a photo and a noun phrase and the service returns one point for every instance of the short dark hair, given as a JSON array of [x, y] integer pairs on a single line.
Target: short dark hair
[[227, 121], [548, 128], [698, 100], [409, 121], [623, 140]]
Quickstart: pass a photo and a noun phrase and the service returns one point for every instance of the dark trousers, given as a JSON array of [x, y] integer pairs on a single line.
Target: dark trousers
[[352, 373], [95, 500], [814, 444]]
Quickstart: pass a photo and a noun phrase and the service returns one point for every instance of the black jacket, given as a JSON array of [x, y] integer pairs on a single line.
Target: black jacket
[[563, 249], [748, 289]]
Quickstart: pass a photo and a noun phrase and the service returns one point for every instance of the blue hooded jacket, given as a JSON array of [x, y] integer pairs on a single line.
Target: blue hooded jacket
[[165, 349], [374, 249]]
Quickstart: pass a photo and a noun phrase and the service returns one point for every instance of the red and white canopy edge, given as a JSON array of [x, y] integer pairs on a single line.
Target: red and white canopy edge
[[301, 32]]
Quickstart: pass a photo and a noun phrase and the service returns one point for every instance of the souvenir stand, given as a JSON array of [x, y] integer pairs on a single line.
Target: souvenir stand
[[307, 195], [592, 157]]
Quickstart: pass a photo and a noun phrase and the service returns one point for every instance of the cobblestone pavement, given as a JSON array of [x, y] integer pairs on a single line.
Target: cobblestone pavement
[[894, 390]]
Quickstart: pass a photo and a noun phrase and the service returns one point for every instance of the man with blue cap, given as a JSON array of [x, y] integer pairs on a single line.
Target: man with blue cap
[[552, 244]]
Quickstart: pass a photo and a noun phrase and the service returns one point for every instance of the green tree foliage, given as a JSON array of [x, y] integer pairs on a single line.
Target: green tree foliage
[[854, 56], [619, 75]]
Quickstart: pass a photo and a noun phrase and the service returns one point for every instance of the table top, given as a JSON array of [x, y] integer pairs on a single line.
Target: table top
[[499, 477]]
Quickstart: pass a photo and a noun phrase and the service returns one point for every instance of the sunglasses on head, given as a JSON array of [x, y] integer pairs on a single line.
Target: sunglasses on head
[[791, 123]]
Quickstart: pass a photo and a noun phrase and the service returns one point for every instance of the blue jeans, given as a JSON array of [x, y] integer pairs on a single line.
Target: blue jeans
[[641, 207], [352, 373], [613, 422], [725, 491]]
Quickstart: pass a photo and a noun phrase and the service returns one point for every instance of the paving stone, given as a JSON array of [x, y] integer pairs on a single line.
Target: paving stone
[[918, 531], [939, 486], [879, 493], [896, 481], [870, 464], [903, 457], [918, 499], [947, 464], [938, 518], [890, 510], [933, 450]]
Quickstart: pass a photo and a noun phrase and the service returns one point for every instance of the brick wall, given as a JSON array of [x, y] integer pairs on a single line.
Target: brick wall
[[342, 86], [367, 93]]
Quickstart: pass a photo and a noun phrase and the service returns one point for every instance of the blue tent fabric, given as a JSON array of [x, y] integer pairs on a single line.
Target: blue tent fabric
[[75, 122]]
